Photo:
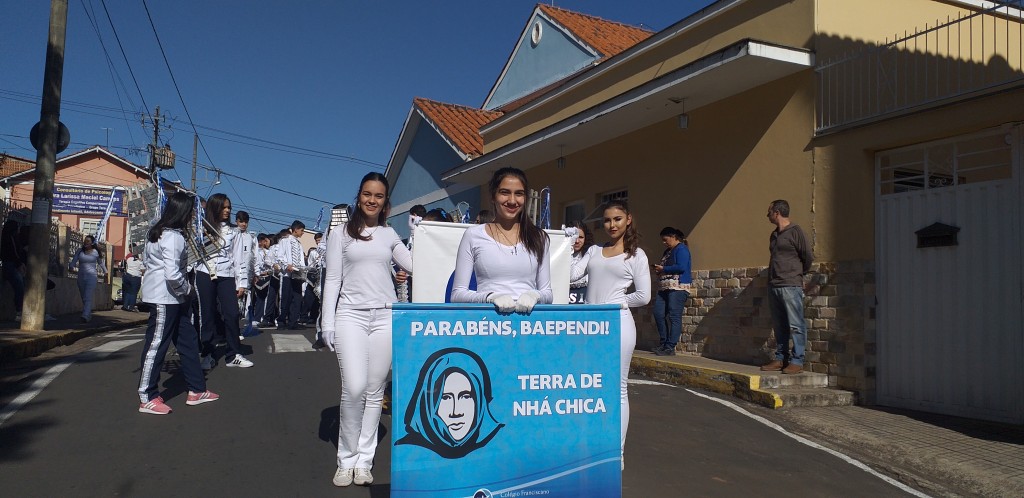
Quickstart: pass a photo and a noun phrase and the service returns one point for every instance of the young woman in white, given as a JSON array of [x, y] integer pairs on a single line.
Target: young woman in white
[[508, 255], [169, 295], [356, 324], [612, 268]]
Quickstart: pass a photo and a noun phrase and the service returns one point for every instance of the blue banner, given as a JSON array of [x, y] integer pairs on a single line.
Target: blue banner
[[490, 405], [70, 199]]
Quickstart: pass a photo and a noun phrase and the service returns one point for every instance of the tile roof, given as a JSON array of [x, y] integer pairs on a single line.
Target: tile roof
[[11, 165], [607, 37], [459, 124]]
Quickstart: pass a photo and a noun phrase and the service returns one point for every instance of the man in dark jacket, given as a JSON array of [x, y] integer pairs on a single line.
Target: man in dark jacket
[[791, 259]]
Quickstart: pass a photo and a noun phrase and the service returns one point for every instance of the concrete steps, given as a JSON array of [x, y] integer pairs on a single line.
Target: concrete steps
[[771, 389]]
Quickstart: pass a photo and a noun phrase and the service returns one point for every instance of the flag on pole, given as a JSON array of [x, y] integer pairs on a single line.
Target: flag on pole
[[101, 230], [319, 219]]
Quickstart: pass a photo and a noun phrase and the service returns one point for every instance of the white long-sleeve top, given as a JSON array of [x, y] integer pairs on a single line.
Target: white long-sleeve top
[[260, 264], [610, 277], [500, 269], [359, 271], [230, 260], [290, 252], [164, 281], [248, 243], [270, 257], [582, 281]]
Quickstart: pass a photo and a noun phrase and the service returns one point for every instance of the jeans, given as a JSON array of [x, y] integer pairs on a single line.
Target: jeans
[[17, 281], [87, 287], [130, 285], [787, 307], [668, 315]]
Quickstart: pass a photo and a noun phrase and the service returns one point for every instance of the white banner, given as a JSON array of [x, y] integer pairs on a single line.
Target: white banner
[[435, 245]]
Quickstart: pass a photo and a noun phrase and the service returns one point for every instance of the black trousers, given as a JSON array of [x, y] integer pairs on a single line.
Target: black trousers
[[272, 305], [259, 301], [213, 293], [291, 302]]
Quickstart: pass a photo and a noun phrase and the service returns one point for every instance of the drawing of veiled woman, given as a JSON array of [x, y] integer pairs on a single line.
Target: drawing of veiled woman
[[450, 409]]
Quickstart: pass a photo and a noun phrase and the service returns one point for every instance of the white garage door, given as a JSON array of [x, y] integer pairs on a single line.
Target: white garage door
[[950, 336]]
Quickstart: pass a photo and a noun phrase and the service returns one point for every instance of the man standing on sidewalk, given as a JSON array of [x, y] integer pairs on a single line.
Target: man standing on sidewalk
[[791, 258]]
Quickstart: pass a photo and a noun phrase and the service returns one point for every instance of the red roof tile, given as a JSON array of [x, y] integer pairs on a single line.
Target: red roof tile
[[459, 124], [607, 37], [11, 165]]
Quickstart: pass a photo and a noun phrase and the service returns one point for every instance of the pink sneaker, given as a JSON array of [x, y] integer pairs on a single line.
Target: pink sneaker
[[200, 398], [155, 406]]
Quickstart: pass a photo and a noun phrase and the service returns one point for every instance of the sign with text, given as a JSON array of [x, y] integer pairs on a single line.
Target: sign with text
[[71, 199], [493, 405]]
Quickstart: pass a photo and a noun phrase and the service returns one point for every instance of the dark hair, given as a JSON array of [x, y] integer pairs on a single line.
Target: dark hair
[[214, 205], [533, 238], [297, 225], [438, 214], [631, 237], [261, 237], [242, 216], [418, 210], [780, 206], [176, 216], [318, 235], [277, 237], [588, 236], [358, 222], [485, 216], [675, 232]]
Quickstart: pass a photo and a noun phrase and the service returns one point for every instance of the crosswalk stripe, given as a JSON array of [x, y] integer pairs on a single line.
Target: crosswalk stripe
[[289, 343]]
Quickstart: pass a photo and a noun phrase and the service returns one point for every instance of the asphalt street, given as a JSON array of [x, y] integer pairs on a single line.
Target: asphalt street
[[274, 433]]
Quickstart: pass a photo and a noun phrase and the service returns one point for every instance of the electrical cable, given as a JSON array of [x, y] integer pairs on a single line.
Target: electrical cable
[[145, 106]]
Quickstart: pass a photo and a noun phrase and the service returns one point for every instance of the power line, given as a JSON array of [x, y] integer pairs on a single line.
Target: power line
[[118, 38], [114, 75]]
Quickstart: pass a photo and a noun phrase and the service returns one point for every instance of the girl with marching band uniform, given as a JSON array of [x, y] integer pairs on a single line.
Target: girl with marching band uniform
[[356, 324], [508, 255], [221, 289], [612, 268], [166, 289]]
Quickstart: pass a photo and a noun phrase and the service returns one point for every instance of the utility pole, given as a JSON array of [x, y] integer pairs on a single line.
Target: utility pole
[[195, 159], [108, 135], [156, 142], [34, 308]]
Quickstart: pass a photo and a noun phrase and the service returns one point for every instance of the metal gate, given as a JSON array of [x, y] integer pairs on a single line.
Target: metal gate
[[948, 244]]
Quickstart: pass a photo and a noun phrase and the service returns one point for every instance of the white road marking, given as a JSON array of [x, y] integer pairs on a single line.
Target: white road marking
[[39, 384], [289, 343], [812, 444]]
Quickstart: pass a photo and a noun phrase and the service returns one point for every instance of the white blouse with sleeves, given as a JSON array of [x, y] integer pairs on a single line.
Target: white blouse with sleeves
[[611, 276], [359, 271], [500, 269]]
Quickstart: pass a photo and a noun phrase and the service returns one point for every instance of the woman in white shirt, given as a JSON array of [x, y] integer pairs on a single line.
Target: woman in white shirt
[[613, 267], [169, 294], [220, 283], [508, 255], [356, 324], [89, 261]]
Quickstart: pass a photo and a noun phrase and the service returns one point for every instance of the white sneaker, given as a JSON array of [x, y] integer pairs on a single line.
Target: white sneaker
[[240, 362], [362, 477], [206, 362], [343, 477]]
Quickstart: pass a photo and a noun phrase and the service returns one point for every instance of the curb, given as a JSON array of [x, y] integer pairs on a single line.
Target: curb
[[744, 386], [34, 346]]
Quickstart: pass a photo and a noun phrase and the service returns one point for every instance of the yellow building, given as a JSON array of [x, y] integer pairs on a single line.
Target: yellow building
[[874, 119]]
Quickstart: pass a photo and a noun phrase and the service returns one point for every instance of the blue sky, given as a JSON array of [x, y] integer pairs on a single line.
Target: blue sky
[[331, 82]]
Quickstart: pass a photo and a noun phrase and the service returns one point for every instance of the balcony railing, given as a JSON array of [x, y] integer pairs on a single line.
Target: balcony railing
[[947, 61]]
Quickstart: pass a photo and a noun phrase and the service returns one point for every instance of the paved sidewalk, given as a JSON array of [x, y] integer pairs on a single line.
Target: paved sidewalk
[[16, 344], [942, 455]]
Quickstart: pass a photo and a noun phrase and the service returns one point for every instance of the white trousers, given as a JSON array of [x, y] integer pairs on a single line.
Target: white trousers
[[627, 345], [363, 344]]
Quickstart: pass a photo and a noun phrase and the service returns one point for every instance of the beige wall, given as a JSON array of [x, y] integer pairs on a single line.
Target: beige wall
[[784, 22]]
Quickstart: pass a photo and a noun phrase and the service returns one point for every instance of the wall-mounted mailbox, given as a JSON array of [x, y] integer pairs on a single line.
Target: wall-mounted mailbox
[[937, 235]]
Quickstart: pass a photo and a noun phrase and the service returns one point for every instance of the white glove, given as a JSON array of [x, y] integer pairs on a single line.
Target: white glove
[[526, 302], [571, 233], [328, 338], [503, 302]]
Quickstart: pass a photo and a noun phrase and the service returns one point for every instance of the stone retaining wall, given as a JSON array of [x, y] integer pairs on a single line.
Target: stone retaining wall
[[727, 318]]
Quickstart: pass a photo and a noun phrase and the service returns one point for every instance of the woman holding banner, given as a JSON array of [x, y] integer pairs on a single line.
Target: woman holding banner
[[508, 255], [356, 324], [612, 268]]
